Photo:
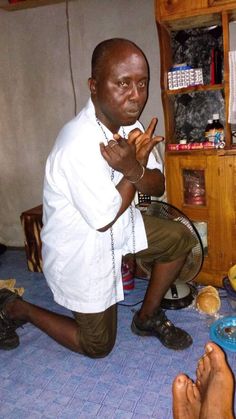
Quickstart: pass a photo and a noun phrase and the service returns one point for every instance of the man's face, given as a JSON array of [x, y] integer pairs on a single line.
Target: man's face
[[120, 91]]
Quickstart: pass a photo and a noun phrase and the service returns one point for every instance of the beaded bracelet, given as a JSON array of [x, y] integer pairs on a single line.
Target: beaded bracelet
[[140, 177]]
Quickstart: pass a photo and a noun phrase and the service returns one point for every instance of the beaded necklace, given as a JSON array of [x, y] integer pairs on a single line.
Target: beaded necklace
[[131, 213]]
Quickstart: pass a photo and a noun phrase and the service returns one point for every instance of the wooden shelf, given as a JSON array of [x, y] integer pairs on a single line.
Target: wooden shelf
[[27, 4], [198, 18], [198, 88], [211, 152]]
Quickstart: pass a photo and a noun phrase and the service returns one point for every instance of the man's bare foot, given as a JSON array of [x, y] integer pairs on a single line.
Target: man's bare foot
[[215, 383], [186, 398]]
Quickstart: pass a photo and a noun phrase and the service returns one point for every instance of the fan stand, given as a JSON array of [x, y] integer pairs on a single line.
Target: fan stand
[[181, 293]]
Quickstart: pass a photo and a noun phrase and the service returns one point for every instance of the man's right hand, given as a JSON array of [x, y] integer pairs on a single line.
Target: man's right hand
[[121, 156]]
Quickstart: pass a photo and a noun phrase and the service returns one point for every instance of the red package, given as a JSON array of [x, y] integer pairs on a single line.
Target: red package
[[14, 1], [196, 146], [184, 147], [173, 147]]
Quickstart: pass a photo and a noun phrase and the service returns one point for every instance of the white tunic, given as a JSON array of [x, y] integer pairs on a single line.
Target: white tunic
[[79, 198]]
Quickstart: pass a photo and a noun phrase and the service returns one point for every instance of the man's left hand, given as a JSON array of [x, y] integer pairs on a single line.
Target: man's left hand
[[144, 141]]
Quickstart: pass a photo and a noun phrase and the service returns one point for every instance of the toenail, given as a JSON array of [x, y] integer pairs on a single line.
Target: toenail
[[209, 348]]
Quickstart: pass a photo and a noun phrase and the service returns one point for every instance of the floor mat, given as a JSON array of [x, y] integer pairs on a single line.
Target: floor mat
[[41, 379]]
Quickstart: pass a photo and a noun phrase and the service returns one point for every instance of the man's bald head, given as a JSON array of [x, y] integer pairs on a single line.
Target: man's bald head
[[108, 47]]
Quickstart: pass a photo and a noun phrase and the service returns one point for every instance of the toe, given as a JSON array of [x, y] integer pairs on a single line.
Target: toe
[[180, 384]]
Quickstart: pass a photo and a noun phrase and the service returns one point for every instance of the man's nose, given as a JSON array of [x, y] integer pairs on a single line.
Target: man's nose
[[134, 92]]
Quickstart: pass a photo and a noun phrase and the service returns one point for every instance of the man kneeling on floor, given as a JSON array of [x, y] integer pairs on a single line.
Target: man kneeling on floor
[[99, 161]]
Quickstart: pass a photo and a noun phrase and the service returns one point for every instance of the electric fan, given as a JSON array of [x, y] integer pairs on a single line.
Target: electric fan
[[181, 293]]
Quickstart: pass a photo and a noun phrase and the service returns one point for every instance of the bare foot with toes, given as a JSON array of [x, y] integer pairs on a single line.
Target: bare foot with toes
[[215, 383], [213, 394], [186, 398]]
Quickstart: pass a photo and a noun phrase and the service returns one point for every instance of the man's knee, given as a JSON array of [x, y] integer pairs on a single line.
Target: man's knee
[[185, 235], [97, 332], [98, 348]]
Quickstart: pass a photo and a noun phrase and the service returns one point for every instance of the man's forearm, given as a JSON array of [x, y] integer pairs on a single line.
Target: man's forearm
[[152, 182]]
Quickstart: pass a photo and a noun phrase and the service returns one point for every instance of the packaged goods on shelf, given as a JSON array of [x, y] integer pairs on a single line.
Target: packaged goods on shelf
[[191, 146], [182, 75]]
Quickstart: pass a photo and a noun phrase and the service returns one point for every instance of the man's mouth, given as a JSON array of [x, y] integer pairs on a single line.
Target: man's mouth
[[133, 112]]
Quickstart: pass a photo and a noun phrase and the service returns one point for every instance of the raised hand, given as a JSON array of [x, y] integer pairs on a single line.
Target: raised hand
[[121, 156], [144, 141]]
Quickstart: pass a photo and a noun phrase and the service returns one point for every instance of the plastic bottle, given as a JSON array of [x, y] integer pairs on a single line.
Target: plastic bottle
[[208, 130], [217, 131]]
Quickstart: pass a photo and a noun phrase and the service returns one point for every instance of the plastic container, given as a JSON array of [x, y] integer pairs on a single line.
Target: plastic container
[[217, 132], [127, 279], [208, 130]]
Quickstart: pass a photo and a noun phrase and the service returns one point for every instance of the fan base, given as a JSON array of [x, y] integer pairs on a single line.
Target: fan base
[[179, 296]]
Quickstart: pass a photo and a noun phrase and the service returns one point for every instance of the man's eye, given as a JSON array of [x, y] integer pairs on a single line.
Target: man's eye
[[123, 84], [142, 84]]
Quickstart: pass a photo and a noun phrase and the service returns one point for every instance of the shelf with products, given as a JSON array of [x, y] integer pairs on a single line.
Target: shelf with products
[[191, 112], [192, 106], [26, 4], [198, 88]]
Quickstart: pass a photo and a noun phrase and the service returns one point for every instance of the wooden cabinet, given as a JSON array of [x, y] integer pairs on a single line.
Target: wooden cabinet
[[216, 209], [221, 2], [212, 171], [186, 8], [180, 13], [167, 8], [27, 4]]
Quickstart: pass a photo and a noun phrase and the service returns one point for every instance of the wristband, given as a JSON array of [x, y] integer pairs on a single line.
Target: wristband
[[139, 177]]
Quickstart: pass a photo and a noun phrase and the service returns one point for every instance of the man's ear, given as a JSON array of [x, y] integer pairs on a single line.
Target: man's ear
[[92, 85]]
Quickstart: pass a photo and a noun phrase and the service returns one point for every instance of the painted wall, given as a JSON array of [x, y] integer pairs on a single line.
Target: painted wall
[[36, 90]]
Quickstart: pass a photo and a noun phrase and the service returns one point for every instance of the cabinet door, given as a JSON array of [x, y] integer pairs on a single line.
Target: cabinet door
[[225, 210], [219, 2], [179, 7], [185, 176]]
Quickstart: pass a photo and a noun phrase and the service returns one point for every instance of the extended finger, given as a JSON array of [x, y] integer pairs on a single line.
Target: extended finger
[[150, 130], [146, 148], [158, 139], [149, 144], [154, 141]]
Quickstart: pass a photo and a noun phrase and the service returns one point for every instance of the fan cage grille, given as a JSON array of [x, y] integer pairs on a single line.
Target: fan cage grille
[[195, 258]]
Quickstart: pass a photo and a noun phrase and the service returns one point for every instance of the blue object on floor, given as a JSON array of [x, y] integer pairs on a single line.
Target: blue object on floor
[[43, 380], [223, 332]]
